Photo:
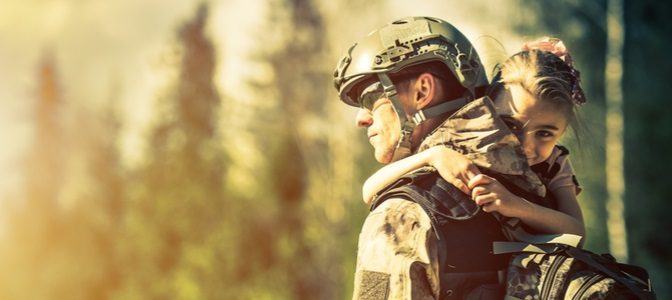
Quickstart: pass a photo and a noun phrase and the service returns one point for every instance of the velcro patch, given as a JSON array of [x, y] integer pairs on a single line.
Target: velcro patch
[[374, 286]]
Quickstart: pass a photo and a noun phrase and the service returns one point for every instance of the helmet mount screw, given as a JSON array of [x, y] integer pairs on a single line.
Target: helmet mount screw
[[378, 60]]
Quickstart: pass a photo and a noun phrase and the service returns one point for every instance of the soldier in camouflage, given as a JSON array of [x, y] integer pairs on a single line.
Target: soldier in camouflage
[[419, 83]]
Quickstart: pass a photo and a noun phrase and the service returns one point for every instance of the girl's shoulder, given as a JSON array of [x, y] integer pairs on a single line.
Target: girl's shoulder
[[557, 170], [549, 168], [560, 154], [558, 160]]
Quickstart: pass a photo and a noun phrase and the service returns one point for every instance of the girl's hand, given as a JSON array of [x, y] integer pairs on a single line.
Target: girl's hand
[[491, 195], [453, 166]]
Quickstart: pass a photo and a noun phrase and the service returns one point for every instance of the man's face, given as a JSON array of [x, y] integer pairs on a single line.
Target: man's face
[[537, 123], [381, 121], [382, 127]]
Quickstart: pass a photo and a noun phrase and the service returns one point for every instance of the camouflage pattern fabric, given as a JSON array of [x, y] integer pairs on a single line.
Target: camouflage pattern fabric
[[397, 256], [477, 132], [594, 286], [556, 276], [529, 274]]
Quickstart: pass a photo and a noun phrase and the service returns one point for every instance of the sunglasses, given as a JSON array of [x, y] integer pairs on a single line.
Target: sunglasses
[[369, 95]]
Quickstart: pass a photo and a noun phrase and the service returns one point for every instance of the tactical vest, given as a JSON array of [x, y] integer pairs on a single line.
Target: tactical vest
[[465, 234], [467, 237]]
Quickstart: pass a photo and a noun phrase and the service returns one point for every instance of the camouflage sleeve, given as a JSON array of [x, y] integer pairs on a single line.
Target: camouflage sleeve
[[397, 256]]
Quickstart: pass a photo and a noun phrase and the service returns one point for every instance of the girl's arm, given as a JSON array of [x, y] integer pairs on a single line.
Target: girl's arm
[[453, 167], [493, 196], [391, 172], [553, 221]]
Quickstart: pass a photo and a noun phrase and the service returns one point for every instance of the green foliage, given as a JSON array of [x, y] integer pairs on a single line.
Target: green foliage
[[258, 197], [172, 243], [60, 241], [647, 137]]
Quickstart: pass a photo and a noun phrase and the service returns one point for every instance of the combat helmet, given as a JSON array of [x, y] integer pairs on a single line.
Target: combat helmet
[[401, 44]]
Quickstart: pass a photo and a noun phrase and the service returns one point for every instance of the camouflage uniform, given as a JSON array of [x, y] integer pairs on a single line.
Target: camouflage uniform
[[397, 256]]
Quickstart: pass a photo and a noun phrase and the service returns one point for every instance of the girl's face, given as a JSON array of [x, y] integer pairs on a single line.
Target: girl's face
[[538, 124]]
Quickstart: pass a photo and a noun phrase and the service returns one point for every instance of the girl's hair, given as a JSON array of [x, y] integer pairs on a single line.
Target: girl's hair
[[548, 77]]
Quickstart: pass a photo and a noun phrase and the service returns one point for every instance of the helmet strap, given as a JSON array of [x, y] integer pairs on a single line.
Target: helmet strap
[[403, 148], [439, 109]]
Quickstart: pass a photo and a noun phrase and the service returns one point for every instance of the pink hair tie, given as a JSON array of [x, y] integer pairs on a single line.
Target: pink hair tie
[[549, 44], [557, 47]]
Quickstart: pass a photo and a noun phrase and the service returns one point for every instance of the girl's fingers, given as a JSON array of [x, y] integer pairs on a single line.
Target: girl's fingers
[[490, 207], [479, 190], [479, 179], [484, 199]]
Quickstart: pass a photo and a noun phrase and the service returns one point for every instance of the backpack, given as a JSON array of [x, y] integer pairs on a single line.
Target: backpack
[[559, 271], [541, 267]]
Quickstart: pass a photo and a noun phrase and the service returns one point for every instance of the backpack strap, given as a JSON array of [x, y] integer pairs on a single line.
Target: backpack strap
[[544, 244], [444, 199], [627, 275], [626, 279]]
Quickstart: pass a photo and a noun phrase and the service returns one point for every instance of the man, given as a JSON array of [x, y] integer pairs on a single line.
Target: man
[[417, 81]]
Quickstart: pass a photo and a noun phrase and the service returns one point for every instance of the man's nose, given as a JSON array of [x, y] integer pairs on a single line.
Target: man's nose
[[364, 118]]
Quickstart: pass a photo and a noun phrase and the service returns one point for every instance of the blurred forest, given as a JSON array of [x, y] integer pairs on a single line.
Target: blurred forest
[[260, 199]]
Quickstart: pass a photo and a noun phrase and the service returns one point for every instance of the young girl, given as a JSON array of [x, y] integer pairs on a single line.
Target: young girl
[[539, 92]]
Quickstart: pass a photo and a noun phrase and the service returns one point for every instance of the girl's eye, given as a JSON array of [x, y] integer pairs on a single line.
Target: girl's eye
[[544, 134]]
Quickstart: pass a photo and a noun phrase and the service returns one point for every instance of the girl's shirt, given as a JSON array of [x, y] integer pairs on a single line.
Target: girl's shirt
[[556, 171]]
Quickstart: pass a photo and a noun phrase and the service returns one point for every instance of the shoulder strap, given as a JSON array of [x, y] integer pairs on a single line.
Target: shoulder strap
[[433, 193], [626, 279]]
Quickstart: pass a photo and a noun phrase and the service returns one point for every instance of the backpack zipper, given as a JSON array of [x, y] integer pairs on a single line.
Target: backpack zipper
[[550, 276], [586, 285]]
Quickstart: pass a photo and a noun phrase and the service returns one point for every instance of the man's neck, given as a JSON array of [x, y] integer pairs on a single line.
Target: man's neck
[[425, 129]]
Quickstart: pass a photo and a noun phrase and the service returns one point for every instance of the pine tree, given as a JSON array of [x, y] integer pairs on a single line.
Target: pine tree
[[306, 174], [44, 164], [96, 217], [177, 208], [36, 224]]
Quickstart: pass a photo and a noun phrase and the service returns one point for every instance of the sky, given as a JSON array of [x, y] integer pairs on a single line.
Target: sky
[[102, 44], [98, 45]]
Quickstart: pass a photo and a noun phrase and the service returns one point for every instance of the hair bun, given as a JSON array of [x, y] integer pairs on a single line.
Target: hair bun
[[557, 47], [549, 44]]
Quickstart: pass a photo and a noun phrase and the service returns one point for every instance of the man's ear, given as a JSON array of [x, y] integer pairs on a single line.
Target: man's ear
[[424, 90]]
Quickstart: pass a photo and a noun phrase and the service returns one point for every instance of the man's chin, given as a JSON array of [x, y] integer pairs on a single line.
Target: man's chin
[[384, 157]]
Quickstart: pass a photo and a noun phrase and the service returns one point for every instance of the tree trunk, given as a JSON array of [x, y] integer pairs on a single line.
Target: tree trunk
[[618, 245]]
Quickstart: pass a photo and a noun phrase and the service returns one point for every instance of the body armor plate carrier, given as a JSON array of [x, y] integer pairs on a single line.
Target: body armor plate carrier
[[468, 268]]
